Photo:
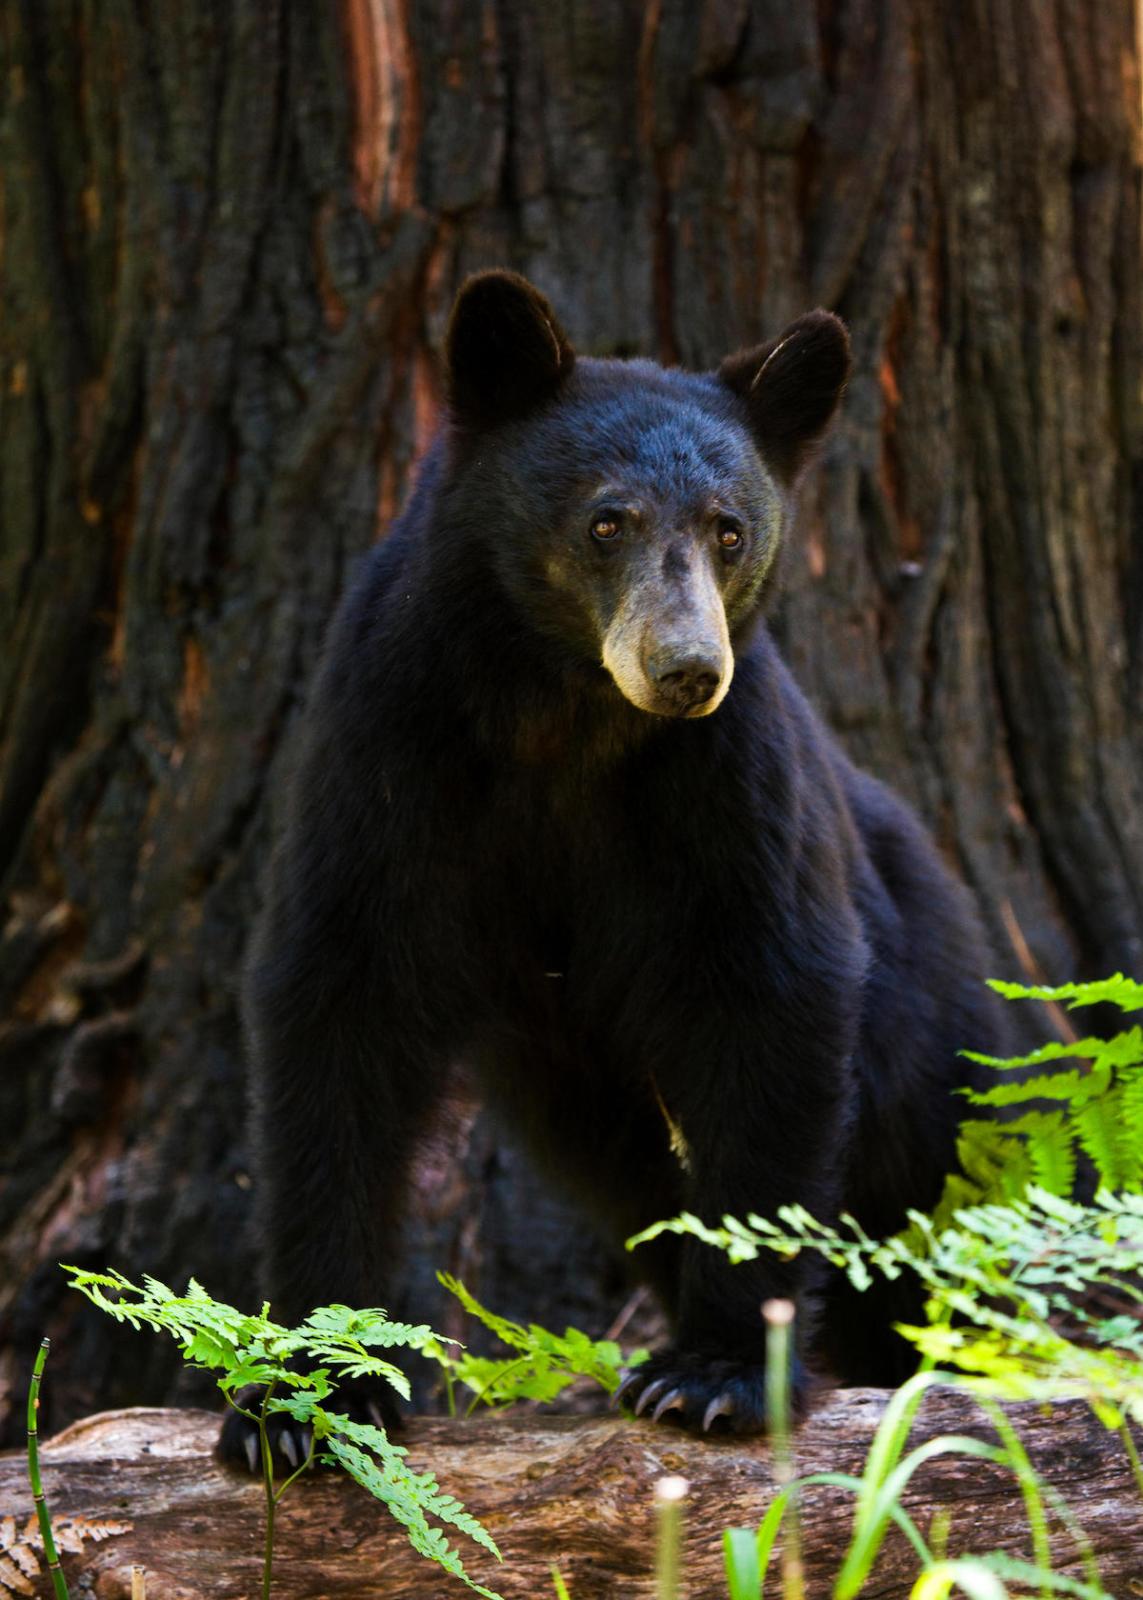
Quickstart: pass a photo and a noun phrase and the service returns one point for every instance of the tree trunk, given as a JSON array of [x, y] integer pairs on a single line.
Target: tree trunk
[[140, 1487], [231, 233]]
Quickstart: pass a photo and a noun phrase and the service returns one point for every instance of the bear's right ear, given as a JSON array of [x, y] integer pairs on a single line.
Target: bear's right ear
[[791, 387], [506, 350]]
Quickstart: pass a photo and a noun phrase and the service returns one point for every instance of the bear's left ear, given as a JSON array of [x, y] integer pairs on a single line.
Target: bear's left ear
[[791, 387], [506, 349]]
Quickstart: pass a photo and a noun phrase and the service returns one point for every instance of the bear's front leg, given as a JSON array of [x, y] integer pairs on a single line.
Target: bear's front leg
[[766, 1123], [352, 1014], [341, 1092]]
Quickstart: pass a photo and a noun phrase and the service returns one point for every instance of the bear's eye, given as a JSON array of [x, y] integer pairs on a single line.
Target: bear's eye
[[729, 534], [605, 527]]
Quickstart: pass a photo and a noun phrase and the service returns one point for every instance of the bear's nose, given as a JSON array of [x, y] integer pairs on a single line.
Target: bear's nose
[[685, 681]]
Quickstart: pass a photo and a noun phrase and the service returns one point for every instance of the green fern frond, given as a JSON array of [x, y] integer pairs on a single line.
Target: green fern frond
[[1131, 1110], [994, 1159], [1056, 1050], [1118, 990], [1077, 1085], [1100, 1107], [243, 1349], [1052, 1153], [1002, 1283], [1100, 1131], [544, 1363]]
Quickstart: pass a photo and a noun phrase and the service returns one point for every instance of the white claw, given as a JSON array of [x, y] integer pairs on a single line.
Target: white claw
[[721, 1406], [289, 1448], [375, 1415], [628, 1380], [650, 1394], [252, 1451], [675, 1401]]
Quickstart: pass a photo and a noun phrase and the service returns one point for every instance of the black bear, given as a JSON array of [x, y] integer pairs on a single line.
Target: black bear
[[561, 811]]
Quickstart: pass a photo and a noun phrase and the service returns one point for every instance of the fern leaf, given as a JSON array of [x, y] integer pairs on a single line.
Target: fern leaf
[[408, 1496], [103, 1529], [1101, 1133], [1118, 990], [1052, 1153], [1056, 1050], [370, 1327], [25, 1558], [1076, 1086], [12, 1580], [994, 1158], [1131, 1114], [511, 1333]]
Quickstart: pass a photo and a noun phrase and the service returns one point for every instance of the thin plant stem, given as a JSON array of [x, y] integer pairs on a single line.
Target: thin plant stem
[[1082, 1543], [669, 1496], [496, 1378], [43, 1516], [779, 1317], [268, 1487], [138, 1583], [1132, 1453], [1029, 1488], [297, 1472]]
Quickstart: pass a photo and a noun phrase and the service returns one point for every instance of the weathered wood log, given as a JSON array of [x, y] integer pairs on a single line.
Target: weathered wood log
[[576, 1493]]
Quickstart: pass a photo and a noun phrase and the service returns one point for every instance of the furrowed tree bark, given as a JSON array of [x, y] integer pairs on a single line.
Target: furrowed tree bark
[[577, 1495], [230, 237]]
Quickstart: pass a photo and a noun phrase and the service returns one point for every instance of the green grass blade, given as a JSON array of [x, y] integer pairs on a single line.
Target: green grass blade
[[771, 1523], [1026, 1574], [1132, 1453], [768, 1532], [1029, 1487], [740, 1556], [873, 1519], [893, 1431]]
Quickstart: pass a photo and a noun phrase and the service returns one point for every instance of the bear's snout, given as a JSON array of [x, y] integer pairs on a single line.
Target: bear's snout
[[671, 662], [667, 646], [684, 680]]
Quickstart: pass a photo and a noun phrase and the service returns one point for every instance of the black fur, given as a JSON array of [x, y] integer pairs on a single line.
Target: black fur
[[493, 853], [790, 387], [508, 351]]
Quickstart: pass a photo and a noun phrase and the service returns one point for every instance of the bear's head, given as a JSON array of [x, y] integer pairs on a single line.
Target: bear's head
[[632, 512]]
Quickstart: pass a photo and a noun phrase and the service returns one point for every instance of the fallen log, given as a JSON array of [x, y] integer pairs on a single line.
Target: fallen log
[[142, 1487]]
